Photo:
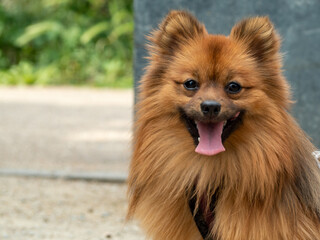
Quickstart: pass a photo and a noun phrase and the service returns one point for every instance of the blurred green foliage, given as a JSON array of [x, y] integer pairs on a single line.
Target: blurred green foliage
[[52, 42]]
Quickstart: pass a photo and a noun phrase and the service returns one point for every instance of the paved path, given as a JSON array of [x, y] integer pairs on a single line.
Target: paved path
[[65, 129]]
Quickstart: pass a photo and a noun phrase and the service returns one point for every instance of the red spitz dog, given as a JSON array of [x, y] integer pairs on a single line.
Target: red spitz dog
[[216, 153]]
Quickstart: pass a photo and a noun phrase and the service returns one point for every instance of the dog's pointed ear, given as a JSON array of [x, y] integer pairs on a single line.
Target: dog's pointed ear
[[260, 37], [177, 28]]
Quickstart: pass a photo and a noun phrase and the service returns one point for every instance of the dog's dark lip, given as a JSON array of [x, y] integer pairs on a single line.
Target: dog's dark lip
[[231, 125], [191, 126]]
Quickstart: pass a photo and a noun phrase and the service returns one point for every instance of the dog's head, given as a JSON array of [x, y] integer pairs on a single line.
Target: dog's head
[[215, 82]]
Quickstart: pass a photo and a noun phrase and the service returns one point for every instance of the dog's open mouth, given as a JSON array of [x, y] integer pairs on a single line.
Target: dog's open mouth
[[209, 137]]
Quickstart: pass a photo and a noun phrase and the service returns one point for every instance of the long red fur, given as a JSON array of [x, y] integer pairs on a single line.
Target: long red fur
[[268, 180]]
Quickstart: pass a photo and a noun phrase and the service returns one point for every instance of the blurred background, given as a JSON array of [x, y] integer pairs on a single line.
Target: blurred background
[[67, 91], [66, 103], [60, 42]]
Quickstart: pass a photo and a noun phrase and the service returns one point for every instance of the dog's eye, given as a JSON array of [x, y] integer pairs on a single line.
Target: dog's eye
[[191, 84], [233, 88]]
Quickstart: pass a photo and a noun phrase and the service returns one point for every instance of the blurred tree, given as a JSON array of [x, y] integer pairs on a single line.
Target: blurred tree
[[66, 42]]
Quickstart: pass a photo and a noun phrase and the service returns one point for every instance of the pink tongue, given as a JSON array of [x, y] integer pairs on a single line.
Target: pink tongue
[[210, 138]]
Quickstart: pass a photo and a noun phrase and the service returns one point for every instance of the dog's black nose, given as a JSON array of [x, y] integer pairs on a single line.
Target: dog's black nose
[[210, 108]]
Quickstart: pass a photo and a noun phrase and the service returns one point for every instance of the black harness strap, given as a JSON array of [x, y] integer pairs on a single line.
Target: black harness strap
[[203, 222], [199, 218]]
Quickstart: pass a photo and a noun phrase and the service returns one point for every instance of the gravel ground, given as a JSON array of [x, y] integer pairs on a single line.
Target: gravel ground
[[39, 209]]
